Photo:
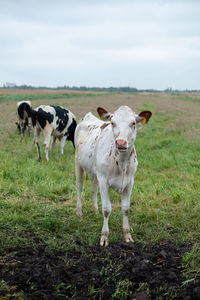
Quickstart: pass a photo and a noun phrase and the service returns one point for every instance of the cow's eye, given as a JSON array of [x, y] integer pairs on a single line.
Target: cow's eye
[[113, 124], [132, 124]]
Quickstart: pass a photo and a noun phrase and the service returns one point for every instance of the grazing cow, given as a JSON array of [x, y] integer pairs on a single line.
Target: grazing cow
[[105, 150], [24, 115], [53, 121]]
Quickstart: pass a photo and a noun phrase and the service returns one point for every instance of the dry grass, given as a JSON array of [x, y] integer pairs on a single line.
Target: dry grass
[[40, 91], [185, 113]]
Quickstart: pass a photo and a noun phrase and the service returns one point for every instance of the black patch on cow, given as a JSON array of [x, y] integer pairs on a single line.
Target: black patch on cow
[[22, 108], [26, 122], [63, 117], [71, 130], [33, 117], [43, 117]]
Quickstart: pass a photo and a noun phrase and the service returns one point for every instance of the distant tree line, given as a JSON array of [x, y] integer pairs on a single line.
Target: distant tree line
[[125, 89]]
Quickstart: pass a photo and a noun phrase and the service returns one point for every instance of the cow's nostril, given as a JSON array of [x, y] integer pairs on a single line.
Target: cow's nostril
[[121, 143]]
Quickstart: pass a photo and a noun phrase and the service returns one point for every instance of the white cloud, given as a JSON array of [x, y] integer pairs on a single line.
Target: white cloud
[[100, 42]]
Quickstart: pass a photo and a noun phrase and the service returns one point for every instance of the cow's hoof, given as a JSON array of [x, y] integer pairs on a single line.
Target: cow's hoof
[[79, 214], [104, 241], [128, 238]]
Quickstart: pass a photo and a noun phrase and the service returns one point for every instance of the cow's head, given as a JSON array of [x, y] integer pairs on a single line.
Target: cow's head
[[123, 123]]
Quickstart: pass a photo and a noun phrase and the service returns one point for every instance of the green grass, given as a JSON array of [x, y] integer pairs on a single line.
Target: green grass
[[166, 185], [38, 200]]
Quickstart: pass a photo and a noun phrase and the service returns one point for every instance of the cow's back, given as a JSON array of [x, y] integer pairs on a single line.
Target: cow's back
[[58, 117], [87, 134]]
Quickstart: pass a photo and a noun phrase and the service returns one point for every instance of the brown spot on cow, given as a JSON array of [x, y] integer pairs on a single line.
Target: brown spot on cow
[[104, 125], [116, 152], [96, 138], [126, 212], [106, 213]]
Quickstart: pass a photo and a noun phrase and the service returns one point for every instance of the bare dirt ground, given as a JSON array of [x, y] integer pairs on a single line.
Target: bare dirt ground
[[145, 272]]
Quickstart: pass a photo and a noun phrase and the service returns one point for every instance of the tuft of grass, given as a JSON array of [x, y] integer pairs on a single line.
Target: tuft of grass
[[122, 290], [191, 263], [11, 292], [43, 95]]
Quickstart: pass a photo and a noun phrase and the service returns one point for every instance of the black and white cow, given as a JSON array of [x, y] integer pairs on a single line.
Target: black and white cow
[[53, 121], [24, 115]]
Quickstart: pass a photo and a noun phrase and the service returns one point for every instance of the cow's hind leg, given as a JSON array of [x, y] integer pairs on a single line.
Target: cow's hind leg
[[21, 124], [25, 125], [37, 141], [94, 194], [29, 128], [79, 186]]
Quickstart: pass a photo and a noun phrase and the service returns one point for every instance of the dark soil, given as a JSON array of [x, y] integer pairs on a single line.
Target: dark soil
[[121, 271]]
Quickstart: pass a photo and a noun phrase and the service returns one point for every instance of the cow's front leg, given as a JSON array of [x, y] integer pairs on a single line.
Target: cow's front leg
[[125, 210], [106, 209], [47, 138], [37, 141]]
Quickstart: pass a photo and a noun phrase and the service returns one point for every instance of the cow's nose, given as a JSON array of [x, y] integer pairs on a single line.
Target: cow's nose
[[121, 144]]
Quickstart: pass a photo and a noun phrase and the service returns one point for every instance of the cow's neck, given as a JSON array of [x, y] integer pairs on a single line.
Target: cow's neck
[[123, 157], [122, 164]]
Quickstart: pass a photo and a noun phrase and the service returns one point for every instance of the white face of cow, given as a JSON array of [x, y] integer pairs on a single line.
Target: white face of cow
[[123, 123]]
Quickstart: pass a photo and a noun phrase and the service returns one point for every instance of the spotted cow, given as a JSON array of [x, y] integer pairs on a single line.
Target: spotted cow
[[24, 115], [53, 121], [105, 150]]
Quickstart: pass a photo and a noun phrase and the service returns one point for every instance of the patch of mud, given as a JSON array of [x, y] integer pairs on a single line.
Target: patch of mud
[[121, 271]]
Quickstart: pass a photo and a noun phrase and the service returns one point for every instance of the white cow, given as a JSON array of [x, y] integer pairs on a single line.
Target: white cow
[[105, 150]]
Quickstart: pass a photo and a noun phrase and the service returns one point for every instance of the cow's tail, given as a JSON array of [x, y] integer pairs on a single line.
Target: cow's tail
[[71, 131], [33, 114], [28, 110]]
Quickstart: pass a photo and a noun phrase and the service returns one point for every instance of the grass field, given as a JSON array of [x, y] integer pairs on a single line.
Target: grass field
[[38, 200]]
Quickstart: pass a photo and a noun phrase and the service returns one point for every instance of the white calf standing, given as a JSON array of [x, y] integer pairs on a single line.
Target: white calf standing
[[105, 150], [24, 115]]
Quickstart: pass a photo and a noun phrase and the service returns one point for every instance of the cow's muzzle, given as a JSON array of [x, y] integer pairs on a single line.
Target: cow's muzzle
[[121, 145]]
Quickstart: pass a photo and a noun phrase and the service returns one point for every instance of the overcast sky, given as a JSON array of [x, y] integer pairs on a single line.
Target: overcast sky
[[136, 43]]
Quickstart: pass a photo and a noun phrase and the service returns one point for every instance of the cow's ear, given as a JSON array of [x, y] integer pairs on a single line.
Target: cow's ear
[[104, 114], [144, 117]]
